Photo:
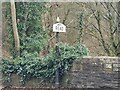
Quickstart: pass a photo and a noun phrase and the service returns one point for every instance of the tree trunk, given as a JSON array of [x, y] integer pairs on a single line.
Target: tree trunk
[[118, 28], [14, 24]]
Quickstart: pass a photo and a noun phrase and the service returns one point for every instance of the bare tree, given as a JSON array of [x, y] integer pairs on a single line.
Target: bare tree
[[96, 20], [105, 28], [118, 28]]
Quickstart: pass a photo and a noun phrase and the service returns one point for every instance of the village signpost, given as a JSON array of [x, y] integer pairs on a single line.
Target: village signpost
[[58, 27]]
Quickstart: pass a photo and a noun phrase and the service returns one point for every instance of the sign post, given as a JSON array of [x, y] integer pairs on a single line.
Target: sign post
[[58, 27]]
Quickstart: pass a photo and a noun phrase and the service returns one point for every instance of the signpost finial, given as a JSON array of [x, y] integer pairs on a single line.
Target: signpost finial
[[59, 27], [58, 19]]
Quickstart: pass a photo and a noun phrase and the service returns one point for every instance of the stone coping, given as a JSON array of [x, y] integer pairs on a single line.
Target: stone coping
[[101, 57]]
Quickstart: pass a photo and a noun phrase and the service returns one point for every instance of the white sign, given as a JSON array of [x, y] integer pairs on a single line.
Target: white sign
[[59, 27]]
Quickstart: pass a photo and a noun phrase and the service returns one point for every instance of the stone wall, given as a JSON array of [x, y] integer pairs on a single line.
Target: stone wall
[[94, 72], [88, 72]]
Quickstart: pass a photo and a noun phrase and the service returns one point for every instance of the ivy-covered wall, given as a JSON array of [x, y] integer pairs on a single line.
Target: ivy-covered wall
[[32, 66], [88, 72]]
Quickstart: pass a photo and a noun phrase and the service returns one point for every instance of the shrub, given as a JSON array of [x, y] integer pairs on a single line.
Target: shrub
[[31, 66]]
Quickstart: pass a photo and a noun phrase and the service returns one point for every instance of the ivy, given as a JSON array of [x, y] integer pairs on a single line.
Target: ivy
[[32, 40], [32, 36], [29, 23], [30, 65]]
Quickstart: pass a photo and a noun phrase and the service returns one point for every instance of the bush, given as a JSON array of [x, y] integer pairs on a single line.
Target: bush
[[80, 50], [30, 65]]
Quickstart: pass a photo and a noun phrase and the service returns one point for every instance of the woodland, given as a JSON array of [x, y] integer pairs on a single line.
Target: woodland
[[28, 40]]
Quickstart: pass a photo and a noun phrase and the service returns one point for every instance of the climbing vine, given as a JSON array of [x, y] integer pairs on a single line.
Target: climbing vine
[[29, 22], [32, 40], [31, 66]]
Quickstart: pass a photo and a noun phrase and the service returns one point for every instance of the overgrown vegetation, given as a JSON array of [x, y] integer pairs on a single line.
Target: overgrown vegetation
[[33, 39], [30, 65], [29, 23]]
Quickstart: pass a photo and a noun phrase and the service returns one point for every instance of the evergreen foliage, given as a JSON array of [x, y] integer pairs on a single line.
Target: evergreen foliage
[[32, 40], [32, 66], [29, 22]]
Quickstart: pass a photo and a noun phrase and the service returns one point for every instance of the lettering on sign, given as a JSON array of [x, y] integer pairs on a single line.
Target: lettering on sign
[[59, 27]]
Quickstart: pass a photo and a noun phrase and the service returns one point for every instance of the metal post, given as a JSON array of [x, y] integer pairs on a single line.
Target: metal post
[[57, 82], [57, 60]]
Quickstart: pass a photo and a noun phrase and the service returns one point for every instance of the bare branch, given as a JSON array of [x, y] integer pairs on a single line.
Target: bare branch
[[66, 15], [115, 10]]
